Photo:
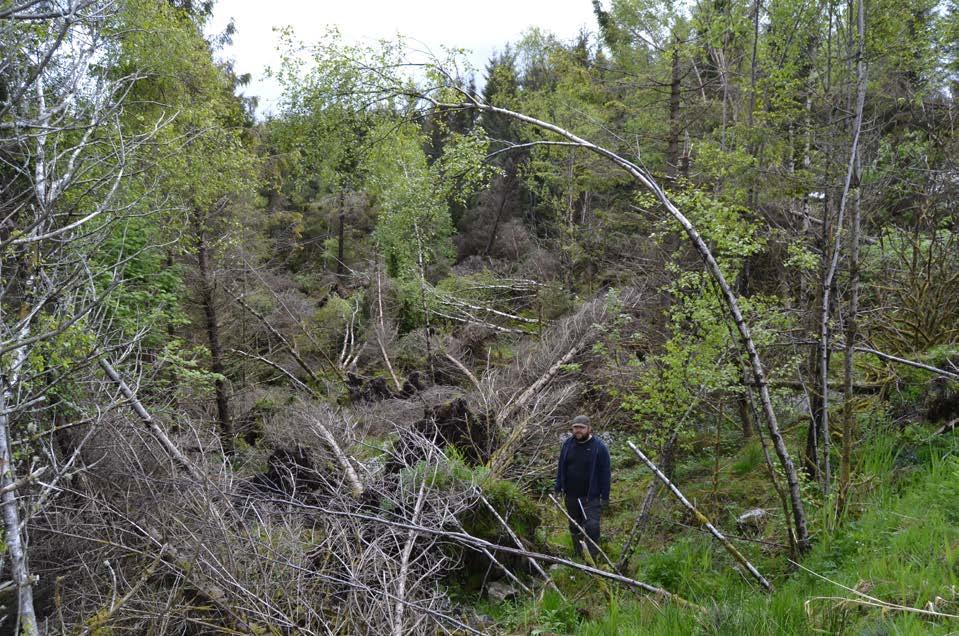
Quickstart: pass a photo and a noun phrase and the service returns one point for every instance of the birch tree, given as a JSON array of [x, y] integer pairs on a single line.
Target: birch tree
[[65, 159], [80, 182]]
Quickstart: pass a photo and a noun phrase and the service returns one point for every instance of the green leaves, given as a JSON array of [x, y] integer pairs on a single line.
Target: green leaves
[[414, 227]]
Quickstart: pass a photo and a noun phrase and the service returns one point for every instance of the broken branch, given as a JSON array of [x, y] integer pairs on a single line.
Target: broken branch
[[736, 554]]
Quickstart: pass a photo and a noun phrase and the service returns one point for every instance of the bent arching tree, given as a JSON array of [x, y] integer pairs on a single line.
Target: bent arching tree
[[647, 181], [383, 83]]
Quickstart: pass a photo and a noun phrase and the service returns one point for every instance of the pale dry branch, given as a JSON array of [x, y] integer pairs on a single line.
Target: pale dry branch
[[730, 548]]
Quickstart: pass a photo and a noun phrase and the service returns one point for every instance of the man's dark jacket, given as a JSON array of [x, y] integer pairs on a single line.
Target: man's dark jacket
[[599, 473]]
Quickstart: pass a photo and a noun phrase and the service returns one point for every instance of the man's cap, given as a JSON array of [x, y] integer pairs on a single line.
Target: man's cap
[[580, 420]]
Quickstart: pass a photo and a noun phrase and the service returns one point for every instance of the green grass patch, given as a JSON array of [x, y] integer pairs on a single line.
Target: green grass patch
[[899, 543]]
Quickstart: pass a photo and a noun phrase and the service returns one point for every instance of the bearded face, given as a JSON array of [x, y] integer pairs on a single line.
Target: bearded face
[[581, 433]]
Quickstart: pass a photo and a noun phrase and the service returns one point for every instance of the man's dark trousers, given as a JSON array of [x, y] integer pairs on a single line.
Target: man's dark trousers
[[586, 514]]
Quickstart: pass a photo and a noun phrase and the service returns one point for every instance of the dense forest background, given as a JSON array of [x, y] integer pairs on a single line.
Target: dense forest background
[[310, 373]]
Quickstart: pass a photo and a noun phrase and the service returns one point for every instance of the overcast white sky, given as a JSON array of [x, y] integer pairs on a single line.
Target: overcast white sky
[[479, 25]]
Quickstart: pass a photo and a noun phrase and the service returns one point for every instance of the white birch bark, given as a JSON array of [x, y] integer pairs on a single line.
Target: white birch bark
[[759, 375]]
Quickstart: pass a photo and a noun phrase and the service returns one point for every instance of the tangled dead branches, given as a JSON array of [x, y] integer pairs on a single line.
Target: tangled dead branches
[[168, 555]]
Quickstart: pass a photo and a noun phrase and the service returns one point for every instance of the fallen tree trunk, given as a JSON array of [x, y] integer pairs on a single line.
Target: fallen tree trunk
[[736, 554], [324, 433], [503, 455], [171, 449], [646, 508], [479, 545], [910, 363], [517, 403]]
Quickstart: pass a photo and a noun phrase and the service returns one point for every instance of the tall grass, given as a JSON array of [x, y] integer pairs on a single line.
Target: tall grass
[[898, 543]]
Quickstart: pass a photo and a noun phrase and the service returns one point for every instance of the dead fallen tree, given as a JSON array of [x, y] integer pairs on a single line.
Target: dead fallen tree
[[230, 554], [528, 395], [480, 544], [470, 102], [730, 548]]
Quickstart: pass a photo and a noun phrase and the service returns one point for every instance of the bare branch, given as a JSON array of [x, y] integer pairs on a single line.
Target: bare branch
[[736, 554]]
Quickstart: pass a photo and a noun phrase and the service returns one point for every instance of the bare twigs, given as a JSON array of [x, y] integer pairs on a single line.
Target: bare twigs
[[519, 544], [477, 544], [101, 619], [260, 557], [273, 365], [293, 351], [175, 453], [736, 554], [23, 481], [405, 562], [324, 433]]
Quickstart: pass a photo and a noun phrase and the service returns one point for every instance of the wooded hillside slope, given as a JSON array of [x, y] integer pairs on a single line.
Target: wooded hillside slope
[[310, 373]]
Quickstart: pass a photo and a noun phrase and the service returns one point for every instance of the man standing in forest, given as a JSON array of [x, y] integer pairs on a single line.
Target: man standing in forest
[[583, 476]]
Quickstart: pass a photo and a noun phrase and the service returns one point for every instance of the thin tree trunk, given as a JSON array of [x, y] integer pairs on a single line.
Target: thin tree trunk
[[833, 266], [666, 459], [852, 328], [208, 301], [811, 458], [672, 150], [820, 357], [759, 375], [340, 249], [9, 506], [743, 406], [753, 67], [852, 318], [324, 434], [400, 607], [507, 184], [805, 292], [730, 548], [426, 305], [381, 333], [13, 530]]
